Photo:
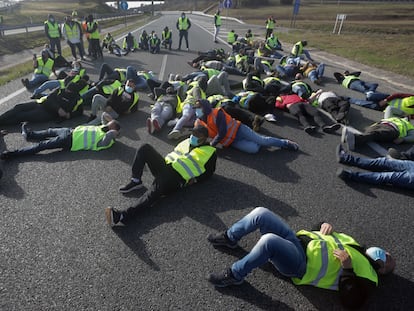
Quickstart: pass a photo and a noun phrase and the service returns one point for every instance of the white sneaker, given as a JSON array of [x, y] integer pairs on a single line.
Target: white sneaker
[[174, 134], [270, 117]]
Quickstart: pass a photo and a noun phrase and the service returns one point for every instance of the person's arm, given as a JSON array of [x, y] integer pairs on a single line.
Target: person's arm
[[397, 95], [109, 136], [47, 31], [189, 23], [222, 128]]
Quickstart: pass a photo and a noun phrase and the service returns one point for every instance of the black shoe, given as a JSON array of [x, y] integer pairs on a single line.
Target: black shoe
[[291, 145], [36, 96], [331, 128], [131, 187], [7, 155], [221, 239], [25, 82], [257, 123], [224, 279], [310, 129], [112, 217], [343, 173]]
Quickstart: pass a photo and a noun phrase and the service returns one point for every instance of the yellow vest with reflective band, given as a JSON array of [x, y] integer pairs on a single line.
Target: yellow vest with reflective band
[[165, 35], [210, 71], [75, 78], [122, 74], [145, 74], [189, 164], [109, 89], [216, 98], [72, 32], [240, 58], [44, 68], [269, 80], [402, 124], [270, 24], [53, 29], [348, 80], [231, 37], [78, 104], [243, 102], [323, 269], [182, 23], [305, 85], [244, 82], [297, 49], [87, 137], [189, 99], [193, 85], [121, 89], [405, 104], [95, 34], [217, 20], [271, 43]]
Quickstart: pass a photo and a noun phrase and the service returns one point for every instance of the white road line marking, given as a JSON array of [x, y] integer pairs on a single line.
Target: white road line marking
[[162, 69], [14, 94]]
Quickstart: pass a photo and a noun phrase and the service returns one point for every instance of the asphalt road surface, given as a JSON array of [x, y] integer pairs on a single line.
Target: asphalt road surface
[[58, 253]]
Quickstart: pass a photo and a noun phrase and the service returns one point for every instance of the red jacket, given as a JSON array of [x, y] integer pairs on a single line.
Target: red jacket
[[284, 100]]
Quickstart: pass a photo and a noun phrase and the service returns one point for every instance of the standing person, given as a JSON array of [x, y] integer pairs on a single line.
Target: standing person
[[323, 257], [192, 161], [53, 33], [226, 131], [72, 32], [93, 30], [76, 20], [82, 137], [217, 25], [183, 25], [270, 25], [84, 25]]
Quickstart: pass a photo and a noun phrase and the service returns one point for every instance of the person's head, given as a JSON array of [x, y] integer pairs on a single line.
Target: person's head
[[218, 12], [298, 76], [76, 66], [45, 54], [129, 34], [249, 30], [170, 91], [74, 14], [304, 43], [144, 32], [202, 108], [166, 28], [68, 18], [89, 18], [198, 136], [130, 86], [113, 125], [182, 14], [384, 263], [51, 18]]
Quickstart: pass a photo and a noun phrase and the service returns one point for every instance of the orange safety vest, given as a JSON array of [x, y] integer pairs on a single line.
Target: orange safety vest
[[232, 126]]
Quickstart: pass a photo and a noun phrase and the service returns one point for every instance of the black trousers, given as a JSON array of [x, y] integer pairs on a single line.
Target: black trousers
[[166, 179], [303, 111], [381, 133], [29, 112]]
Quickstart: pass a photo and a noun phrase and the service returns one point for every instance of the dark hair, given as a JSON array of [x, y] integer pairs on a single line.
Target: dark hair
[[202, 130]]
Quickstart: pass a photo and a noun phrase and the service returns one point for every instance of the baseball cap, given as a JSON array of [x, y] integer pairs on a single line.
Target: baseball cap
[[376, 253]]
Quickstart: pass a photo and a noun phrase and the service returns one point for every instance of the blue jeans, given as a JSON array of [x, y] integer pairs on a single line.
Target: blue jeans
[[36, 80], [249, 141], [140, 81], [398, 173], [52, 138], [363, 87], [287, 71], [278, 244], [317, 73], [48, 85], [365, 103]]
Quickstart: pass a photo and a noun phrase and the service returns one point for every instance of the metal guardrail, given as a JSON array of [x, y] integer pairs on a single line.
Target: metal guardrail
[[26, 28]]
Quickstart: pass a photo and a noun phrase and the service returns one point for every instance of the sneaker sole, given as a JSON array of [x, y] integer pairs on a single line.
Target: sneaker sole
[[108, 216], [149, 126], [137, 187]]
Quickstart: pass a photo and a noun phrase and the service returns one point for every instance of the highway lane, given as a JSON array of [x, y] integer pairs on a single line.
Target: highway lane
[[58, 253]]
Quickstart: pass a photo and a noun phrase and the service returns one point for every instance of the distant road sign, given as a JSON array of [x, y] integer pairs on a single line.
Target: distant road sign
[[227, 4], [123, 5]]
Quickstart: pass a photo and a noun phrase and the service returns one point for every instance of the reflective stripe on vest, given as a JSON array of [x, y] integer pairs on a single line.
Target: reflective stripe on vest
[[95, 34], [297, 49], [88, 137], [405, 104], [189, 164], [231, 37], [346, 82], [122, 74], [217, 20], [108, 89], [402, 124], [270, 24]]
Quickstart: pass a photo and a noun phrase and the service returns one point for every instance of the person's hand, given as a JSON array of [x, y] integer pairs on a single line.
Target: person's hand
[[343, 257], [326, 228]]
